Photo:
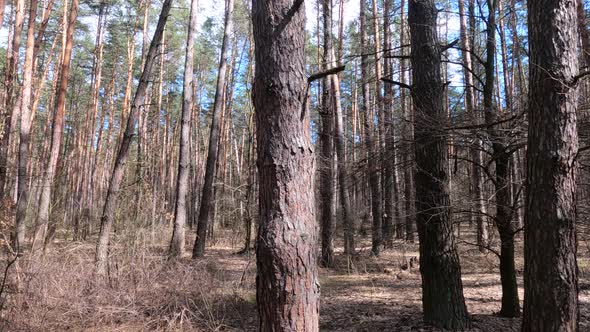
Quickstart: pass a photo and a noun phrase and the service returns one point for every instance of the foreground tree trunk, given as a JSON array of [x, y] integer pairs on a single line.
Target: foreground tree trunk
[[56, 133], [442, 290], [550, 271], [286, 281], [108, 212], [208, 196], [180, 211]]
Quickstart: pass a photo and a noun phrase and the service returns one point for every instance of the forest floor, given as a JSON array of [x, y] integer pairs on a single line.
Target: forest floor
[[145, 292]]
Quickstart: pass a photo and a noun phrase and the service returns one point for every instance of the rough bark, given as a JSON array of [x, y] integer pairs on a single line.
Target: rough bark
[[550, 271], [442, 290], [207, 197], [182, 180], [287, 282], [108, 213]]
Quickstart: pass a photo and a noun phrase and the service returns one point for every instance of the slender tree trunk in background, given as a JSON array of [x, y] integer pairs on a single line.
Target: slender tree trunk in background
[[207, 197], [108, 213], [326, 158], [93, 160], [145, 36], [371, 146], [408, 128], [504, 54], [381, 119], [333, 85], [583, 115], [287, 284], [584, 34], [56, 132], [160, 198], [9, 78], [343, 175], [249, 188], [38, 40], [180, 211], [477, 180], [25, 129], [391, 216], [501, 157], [442, 289], [249, 154], [2, 9], [142, 119], [550, 271], [88, 192], [379, 161], [129, 84], [518, 80]]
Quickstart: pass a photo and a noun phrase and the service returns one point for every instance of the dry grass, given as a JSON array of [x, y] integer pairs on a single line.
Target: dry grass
[[145, 292]]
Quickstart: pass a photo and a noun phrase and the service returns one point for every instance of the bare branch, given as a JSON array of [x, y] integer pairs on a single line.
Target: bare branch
[[449, 45], [325, 73], [400, 84]]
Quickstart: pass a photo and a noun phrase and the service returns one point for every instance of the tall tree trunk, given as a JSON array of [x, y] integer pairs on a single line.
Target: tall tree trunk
[[93, 160], [207, 197], [87, 204], [477, 180], [408, 128], [442, 290], [287, 282], [108, 213], [501, 157], [2, 9], [550, 271], [25, 129], [326, 158], [372, 148], [180, 213], [343, 176], [56, 132], [9, 78], [391, 224]]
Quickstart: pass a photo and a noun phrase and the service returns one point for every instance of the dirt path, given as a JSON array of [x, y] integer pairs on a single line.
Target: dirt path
[[379, 296]]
